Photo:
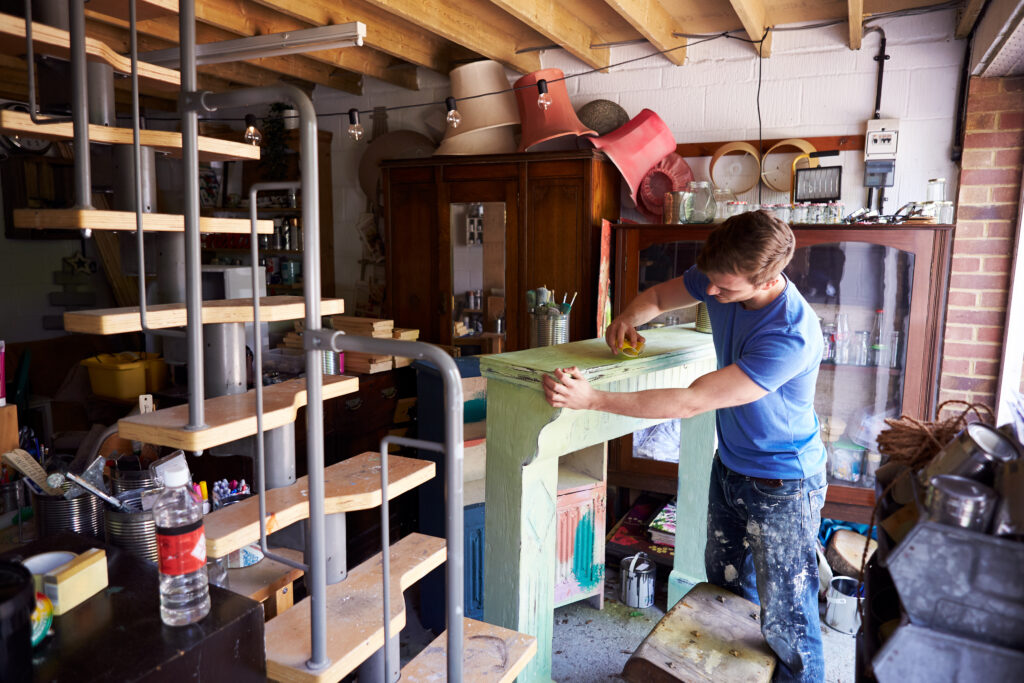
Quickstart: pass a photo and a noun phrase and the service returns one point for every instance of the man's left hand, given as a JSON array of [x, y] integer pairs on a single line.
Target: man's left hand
[[567, 388]]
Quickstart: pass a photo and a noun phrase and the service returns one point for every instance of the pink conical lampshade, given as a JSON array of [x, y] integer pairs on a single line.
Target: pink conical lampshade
[[637, 146], [557, 121]]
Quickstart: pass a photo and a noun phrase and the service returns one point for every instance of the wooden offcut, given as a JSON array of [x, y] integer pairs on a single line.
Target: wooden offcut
[[355, 628], [96, 219], [167, 142], [364, 327], [8, 427], [349, 485], [711, 635], [47, 40], [490, 654], [162, 316], [267, 580], [845, 552], [405, 334], [229, 418]]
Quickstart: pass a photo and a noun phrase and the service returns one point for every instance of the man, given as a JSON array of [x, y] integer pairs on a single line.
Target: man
[[767, 480]]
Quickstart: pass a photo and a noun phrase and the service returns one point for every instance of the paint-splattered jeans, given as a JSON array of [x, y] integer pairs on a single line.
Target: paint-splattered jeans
[[761, 546]]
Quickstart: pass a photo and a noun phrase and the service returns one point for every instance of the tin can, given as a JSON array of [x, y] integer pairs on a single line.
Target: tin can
[[962, 502], [637, 579]]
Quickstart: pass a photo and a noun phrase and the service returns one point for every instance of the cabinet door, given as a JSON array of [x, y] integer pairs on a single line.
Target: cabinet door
[[415, 282]]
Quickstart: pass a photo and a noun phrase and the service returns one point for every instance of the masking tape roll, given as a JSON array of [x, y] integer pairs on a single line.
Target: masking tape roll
[[727, 148], [803, 145]]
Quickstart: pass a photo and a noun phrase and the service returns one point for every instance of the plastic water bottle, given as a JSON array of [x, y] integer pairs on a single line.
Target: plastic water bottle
[[181, 537]]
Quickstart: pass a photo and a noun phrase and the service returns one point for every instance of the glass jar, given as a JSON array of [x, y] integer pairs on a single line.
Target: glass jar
[[798, 214], [783, 212], [699, 202], [723, 198], [936, 189], [834, 212], [816, 213], [828, 336], [861, 348]]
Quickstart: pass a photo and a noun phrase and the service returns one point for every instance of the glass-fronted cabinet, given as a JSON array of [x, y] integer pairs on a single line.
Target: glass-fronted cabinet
[[879, 293]]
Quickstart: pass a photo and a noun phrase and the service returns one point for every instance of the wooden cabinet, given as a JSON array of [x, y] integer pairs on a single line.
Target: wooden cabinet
[[553, 204], [849, 271]]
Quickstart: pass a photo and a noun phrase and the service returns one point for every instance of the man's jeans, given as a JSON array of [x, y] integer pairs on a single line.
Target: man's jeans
[[761, 546]]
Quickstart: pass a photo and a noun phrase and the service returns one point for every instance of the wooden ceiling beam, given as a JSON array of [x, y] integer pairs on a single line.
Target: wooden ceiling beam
[[753, 16], [477, 26], [244, 18], [560, 25], [968, 17], [855, 17], [384, 32], [655, 24]]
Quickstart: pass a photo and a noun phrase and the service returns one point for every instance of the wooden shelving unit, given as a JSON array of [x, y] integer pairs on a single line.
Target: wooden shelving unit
[[352, 484], [229, 418], [168, 142], [101, 219], [162, 316]]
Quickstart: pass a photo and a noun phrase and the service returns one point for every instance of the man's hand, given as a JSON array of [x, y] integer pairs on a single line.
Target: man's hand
[[619, 330], [568, 389]]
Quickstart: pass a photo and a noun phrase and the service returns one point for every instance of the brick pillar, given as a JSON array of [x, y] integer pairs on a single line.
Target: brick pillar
[[987, 210]]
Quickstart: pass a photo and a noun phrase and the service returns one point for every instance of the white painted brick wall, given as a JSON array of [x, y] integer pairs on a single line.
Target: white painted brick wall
[[812, 85]]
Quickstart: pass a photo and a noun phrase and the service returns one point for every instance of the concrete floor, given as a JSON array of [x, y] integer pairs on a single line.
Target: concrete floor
[[591, 645]]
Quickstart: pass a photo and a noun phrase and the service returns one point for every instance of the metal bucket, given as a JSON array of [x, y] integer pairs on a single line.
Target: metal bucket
[[130, 480], [548, 330], [637, 578], [82, 515], [842, 605], [958, 501], [135, 530]]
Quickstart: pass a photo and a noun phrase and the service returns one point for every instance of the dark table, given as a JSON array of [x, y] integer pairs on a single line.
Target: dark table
[[117, 635]]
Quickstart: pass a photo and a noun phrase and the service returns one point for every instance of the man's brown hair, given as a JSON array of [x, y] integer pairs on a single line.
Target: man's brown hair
[[755, 244]]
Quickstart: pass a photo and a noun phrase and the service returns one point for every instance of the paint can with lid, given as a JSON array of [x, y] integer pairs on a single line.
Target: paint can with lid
[[637, 579]]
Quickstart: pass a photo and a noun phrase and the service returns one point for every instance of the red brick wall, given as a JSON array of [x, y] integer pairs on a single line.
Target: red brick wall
[[986, 221]]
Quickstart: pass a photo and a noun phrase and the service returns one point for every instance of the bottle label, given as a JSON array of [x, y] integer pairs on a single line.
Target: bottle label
[[182, 548]]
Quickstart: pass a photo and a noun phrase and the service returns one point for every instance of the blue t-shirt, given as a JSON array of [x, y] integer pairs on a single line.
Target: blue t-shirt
[[779, 348]]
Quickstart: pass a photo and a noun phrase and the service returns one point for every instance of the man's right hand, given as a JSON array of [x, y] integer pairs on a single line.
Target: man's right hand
[[618, 331]]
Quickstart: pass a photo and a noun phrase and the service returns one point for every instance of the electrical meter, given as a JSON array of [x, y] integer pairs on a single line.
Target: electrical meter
[[880, 144]]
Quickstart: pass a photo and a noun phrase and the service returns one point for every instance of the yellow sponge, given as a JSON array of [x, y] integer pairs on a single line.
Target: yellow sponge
[[76, 581]]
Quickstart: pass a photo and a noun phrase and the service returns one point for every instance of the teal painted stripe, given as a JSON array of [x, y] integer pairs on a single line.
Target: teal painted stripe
[[475, 410], [587, 572]]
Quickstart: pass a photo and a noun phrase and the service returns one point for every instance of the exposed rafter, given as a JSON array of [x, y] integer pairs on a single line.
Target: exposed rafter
[[478, 26], [753, 16], [556, 22], [855, 17], [968, 17], [386, 33], [655, 24]]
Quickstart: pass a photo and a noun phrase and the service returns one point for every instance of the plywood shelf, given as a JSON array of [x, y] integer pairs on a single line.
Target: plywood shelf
[[163, 316], [210, 149], [352, 484], [97, 219], [47, 40], [355, 628], [491, 654], [229, 418]]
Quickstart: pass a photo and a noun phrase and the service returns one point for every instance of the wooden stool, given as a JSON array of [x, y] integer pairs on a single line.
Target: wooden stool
[[710, 635]]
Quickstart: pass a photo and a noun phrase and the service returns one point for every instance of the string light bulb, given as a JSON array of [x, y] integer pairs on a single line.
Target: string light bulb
[[543, 98], [454, 118], [355, 129], [252, 134]]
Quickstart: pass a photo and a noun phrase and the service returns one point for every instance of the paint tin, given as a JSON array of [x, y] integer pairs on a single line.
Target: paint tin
[[975, 453], [637, 578], [842, 605], [958, 501]]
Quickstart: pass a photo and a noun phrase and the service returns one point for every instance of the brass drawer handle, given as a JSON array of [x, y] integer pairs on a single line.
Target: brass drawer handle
[[354, 404]]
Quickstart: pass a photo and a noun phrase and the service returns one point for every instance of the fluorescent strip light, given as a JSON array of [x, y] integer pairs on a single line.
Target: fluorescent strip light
[[270, 45]]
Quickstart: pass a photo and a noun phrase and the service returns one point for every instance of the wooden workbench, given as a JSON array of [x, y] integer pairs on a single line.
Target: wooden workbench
[[526, 437]]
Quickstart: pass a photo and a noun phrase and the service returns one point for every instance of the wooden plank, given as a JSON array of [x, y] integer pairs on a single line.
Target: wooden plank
[[162, 316], [490, 654], [855, 18], [96, 219], [655, 24], [711, 635], [355, 628], [968, 17], [265, 579], [55, 42], [144, 9], [842, 143], [169, 142], [477, 26], [229, 418], [349, 485], [753, 16], [8, 427], [558, 23]]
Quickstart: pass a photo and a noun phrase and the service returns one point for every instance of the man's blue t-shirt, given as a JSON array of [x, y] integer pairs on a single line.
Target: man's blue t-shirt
[[779, 348]]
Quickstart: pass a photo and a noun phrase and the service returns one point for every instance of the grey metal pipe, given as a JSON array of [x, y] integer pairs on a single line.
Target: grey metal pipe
[[80, 105], [453, 449], [30, 60], [101, 94], [190, 162]]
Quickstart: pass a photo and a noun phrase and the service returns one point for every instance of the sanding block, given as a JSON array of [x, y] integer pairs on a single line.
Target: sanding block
[[75, 582]]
